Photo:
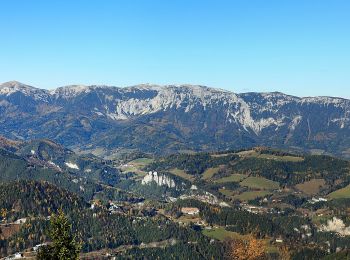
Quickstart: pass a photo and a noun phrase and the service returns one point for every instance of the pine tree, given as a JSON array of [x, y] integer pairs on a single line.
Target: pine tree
[[64, 245]]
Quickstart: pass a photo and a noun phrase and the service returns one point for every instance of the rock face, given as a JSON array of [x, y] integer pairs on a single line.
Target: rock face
[[159, 179], [166, 119], [336, 225]]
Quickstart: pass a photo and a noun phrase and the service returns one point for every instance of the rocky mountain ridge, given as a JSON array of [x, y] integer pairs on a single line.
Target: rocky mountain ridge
[[173, 118]]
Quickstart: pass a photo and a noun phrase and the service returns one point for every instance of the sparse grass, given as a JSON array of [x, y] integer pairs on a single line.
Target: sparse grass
[[341, 193], [210, 172], [259, 183], [250, 195], [311, 187], [232, 178], [182, 174]]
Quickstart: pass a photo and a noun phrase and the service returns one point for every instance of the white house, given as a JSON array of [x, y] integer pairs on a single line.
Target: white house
[[21, 221]]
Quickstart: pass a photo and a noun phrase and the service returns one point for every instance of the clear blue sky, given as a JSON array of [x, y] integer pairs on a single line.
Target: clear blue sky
[[299, 47]]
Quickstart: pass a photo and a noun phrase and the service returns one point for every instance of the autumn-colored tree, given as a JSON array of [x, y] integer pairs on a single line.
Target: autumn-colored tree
[[64, 245], [284, 253], [3, 212], [248, 248]]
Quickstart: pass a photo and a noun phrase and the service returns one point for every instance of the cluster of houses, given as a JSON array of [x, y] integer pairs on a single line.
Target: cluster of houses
[[206, 197], [259, 209]]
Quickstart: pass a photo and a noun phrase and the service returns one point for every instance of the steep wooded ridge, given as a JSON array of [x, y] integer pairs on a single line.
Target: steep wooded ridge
[[168, 119]]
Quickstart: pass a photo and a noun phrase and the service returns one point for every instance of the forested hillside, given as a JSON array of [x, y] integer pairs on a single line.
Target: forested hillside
[[95, 227], [184, 206]]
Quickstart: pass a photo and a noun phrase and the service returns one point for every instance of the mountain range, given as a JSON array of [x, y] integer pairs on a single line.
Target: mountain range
[[167, 119]]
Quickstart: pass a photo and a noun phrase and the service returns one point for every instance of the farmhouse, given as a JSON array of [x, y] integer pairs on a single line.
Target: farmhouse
[[20, 221], [190, 211]]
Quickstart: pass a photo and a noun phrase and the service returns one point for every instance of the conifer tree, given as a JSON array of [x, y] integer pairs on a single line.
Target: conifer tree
[[64, 244]]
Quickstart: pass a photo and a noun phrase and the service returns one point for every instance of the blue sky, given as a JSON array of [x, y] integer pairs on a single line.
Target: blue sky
[[297, 47]]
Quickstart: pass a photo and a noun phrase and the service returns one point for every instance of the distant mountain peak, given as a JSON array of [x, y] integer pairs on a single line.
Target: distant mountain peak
[[70, 90], [14, 84], [11, 87]]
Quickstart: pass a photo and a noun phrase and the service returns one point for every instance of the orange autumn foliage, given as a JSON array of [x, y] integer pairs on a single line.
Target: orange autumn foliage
[[249, 248]]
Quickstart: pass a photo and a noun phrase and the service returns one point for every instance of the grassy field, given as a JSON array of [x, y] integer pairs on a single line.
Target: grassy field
[[188, 219], [225, 192], [220, 233], [141, 161], [341, 193], [182, 174], [250, 195], [232, 178], [136, 165], [133, 169], [259, 183], [287, 158], [311, 187], [210, 172]]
